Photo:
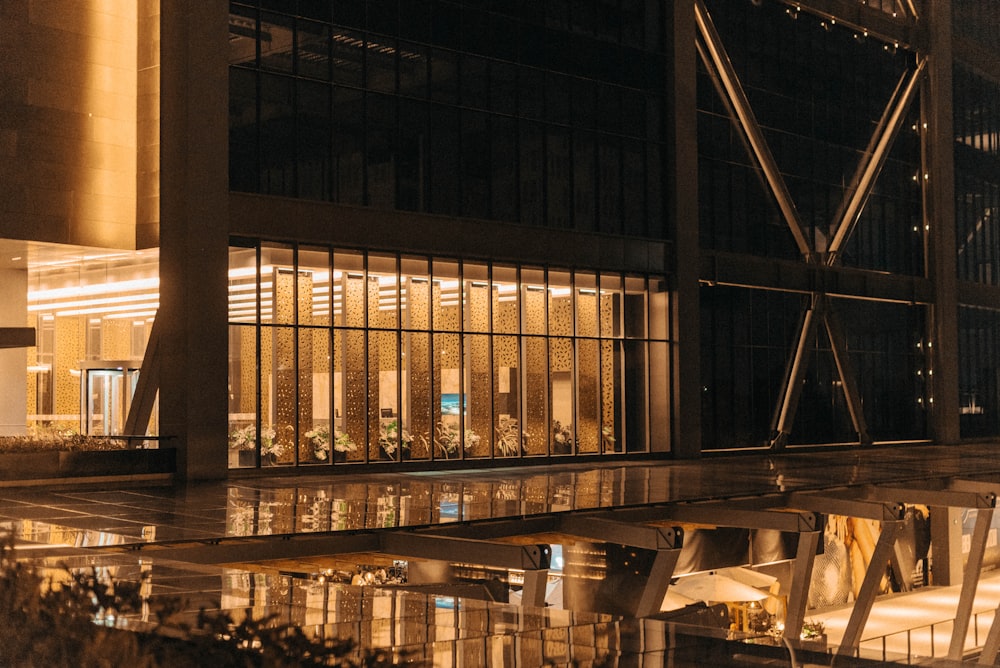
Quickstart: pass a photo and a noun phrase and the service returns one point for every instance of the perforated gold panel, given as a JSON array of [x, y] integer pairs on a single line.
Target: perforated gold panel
[[354, 374], [478, 371], [116, 339], [588, 402], [70, 339]]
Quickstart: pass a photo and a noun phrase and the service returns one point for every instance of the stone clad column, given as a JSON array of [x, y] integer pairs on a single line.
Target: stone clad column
[[194, 228]]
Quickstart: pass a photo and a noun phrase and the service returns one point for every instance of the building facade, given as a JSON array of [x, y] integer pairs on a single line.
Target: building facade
[[318, 234]]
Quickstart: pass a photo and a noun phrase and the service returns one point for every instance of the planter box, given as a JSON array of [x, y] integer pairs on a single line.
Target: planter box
[[28, 466]]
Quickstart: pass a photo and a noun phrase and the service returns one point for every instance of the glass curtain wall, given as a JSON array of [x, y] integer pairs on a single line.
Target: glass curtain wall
[[540, 113], [977, 217], [342, 356]]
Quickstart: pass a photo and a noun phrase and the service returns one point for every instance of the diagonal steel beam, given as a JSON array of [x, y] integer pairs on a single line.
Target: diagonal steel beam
[[798, 595], [875, 157], [737, 99], [838, 345], [657, 582], [793, 381], [988, 656], [970, 582], [869, 589], [147, 385]]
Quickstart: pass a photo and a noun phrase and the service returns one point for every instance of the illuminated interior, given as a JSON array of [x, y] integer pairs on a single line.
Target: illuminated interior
[[343, 356]]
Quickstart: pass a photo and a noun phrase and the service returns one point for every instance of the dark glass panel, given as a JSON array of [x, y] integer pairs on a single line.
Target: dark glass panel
[[277, 42], [413, 159], [633, 187], [532, 170], [381, 148], [503, 87], [243, 174], [609, 183], [475, 164], [531, 93], [412, 70], [349, 13], [277, 135], [318, 10], [313, 140], [557, 98], [348, 51], [313, 50], [444, 76], [242, 36], [475, 82], [444, 146], [348, 146], [415, 20], [558, 177], [382, 17], [503, 162], [584, 175], [446, 24], [380, 64]]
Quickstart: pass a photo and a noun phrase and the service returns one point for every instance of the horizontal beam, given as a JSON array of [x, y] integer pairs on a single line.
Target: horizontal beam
[[952, 498], [826, 502], [17, 337], [253, 549], [721, 515], [467, 550], [623, 533], [722, 268]]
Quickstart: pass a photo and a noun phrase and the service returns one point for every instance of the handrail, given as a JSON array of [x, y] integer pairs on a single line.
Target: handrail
[[931, 627]]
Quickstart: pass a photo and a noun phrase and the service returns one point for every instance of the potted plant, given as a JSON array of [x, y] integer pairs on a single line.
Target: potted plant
[[244, 441], [449, 439], [342, 444], [813, 634], [562, 438], [319, 437], [509, 439], [391, 438]]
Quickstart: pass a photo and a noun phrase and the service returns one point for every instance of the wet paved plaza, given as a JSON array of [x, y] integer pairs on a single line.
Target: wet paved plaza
[[171, 533]]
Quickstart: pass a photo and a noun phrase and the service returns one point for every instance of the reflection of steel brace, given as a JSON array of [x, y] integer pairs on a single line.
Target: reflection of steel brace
[[713, 54]]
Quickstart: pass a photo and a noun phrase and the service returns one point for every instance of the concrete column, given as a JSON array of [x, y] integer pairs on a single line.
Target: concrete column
[[194, 215], [681, 189], [939, 164], [13, 361]]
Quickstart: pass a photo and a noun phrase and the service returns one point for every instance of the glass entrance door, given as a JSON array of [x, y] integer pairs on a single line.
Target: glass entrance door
[[106, 396]]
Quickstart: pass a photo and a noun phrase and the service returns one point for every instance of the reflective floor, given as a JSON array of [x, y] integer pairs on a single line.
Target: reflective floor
[[105, 528]]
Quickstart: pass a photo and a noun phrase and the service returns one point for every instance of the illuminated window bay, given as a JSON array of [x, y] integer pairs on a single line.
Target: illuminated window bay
[[339, 356]]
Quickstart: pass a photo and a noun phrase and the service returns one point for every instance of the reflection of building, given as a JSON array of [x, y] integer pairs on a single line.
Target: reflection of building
[[435, 230]]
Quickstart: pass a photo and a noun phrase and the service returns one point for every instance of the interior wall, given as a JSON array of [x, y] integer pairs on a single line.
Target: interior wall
[[13, 379]]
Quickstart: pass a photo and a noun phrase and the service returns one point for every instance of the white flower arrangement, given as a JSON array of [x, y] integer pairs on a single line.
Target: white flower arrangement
[[246, 439], [342, 442], [562, 435], [391, 437], [449, 439], [320, 439]]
